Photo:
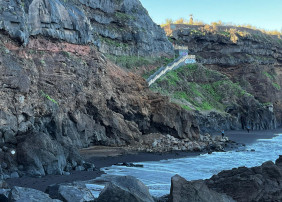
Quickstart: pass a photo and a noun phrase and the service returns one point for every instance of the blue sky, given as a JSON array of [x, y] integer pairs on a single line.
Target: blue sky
[[265, 14]]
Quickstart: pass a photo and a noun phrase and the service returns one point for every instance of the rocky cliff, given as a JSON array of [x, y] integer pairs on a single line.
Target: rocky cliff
[[216, 101], [115, 27], [248, 57], [57, 97]]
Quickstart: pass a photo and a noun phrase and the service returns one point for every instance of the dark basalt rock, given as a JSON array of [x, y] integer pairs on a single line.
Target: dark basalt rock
[[75, 99], [130, 165], [70, 192], [262, 183], [126, 189], [27, 194], [116, 27], [184, 191], [4, 195]]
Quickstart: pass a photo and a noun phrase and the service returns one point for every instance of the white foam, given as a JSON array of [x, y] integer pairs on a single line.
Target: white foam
[[157, 175]]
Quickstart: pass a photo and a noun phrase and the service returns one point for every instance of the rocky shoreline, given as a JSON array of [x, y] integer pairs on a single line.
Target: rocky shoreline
[[101, 158], [87, 171], [261, 183]]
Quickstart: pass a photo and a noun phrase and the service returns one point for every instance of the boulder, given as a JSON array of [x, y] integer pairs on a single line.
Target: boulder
[[125, 189], [70, 192], [262, 183], [3, 185], [4, 195], [20, 194], [184, 191], [41, 155]]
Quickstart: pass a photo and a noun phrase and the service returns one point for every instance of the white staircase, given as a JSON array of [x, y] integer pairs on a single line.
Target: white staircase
[[179, 62]]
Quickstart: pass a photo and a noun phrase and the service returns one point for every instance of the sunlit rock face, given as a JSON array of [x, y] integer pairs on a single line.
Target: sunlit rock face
[[115, 27]]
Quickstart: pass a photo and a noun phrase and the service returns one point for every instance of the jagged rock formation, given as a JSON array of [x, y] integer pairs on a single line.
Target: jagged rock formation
[[183, 191], [246, 56], [115, 27], [262, 183], [57, 97]]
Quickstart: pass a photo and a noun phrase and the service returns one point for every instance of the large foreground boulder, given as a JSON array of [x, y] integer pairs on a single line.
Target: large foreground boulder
[[125, 189], [262, 183], [22, 194], [4, 195], [70, 192], [184, 191]]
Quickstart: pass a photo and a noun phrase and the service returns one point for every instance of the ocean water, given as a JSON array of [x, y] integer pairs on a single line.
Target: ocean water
[[157, 175]]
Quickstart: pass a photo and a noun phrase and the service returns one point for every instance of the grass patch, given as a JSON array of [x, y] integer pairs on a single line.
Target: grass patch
[[186, 107], [268, 75], [124, 17], [203, 88], [224, 33], [112, 42], [276, 85], [172, 77], [130, 62], [48, 97]]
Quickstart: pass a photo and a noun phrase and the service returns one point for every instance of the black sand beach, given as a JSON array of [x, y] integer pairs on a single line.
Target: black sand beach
[[105, 156]]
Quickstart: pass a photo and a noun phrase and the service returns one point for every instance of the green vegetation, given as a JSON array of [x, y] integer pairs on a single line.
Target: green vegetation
[[42, 62], [224, 33], [163, 61], [112, 42], [272, 77], [185, 107], [130, 62], [191, 21], [123, 16], [276, 85], [199, 88], [66, 54], [48, 97], [267, 103]]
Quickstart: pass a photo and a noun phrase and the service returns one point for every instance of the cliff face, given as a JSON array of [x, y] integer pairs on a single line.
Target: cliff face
[[248, 57], [115, 27], [217, 102], [57, 97]]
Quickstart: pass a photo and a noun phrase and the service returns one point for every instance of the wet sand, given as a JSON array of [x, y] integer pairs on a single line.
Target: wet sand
[[107, 156]]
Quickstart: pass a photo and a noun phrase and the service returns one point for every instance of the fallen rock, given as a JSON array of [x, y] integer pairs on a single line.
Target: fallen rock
[[73, 192], [15, 175], [4, 195], [4, 185], [20, 194], [126, 189], [183, 191]]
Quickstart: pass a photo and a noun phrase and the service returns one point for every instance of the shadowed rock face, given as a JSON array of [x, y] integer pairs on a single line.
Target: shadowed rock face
[[57, 97], [116, 27], [262, 183], [183, 191]]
